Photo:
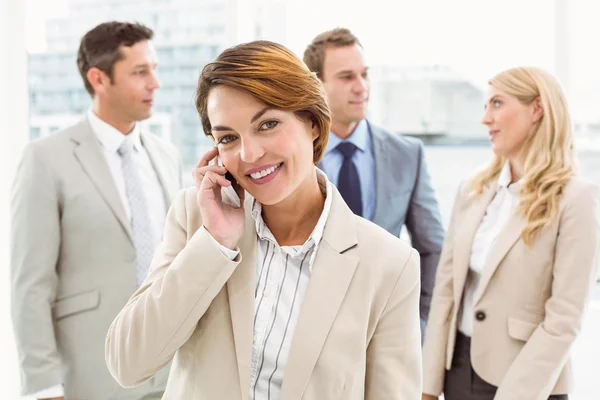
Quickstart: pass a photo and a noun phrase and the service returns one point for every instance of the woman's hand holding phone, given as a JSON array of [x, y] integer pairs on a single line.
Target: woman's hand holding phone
[[223, 221]]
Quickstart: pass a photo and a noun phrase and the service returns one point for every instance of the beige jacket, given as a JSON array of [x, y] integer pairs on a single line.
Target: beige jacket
[[73, 261], [357, 336], [530, 302]]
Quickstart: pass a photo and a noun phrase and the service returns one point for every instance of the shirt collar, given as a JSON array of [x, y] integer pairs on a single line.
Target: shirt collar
[[263, 232], [504, 180], [110, 137], [359, 137]]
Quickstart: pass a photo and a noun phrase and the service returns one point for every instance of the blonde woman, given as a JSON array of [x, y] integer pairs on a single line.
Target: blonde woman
[[520, 256]]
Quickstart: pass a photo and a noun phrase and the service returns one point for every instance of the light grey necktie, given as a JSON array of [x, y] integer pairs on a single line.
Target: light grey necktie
[[140, 219]]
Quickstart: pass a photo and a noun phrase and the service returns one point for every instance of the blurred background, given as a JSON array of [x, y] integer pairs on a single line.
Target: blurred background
[[429, 65]]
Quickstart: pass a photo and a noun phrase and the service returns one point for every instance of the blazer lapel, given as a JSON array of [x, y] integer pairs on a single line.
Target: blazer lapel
[[89, 154], [332, 273], [154, 153], [505, 240], [240, 289], [463, 238]]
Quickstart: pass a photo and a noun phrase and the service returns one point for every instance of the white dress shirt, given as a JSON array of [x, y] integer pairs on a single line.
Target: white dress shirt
[[111, 139], [498, 212], [282, 277]]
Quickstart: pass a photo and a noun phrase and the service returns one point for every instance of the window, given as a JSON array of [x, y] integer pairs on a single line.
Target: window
[[34, 133]]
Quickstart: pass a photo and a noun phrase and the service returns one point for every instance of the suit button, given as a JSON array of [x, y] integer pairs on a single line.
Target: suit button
[[480, 316]]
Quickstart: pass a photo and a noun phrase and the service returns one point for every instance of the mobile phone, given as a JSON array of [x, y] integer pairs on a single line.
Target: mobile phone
[[229, 191]]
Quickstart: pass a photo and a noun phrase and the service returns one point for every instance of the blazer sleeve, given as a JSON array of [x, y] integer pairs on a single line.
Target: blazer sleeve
[[394, 353], [424, 225], [187, 272], [442, 304], [534, 372], [35, 243]]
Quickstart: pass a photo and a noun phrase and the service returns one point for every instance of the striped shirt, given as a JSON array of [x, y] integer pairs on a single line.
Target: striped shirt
[[282, 278]]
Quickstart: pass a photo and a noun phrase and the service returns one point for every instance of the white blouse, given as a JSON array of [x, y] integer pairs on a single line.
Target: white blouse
[[498, 212]]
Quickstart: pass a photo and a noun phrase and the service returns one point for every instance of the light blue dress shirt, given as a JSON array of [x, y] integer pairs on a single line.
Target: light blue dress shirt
[[363, 159]]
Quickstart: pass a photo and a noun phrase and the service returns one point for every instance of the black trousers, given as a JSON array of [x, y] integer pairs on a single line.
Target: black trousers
[[462, 383]]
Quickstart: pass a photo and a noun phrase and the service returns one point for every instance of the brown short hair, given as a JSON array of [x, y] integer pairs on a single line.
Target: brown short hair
[[273, 75], [99, 48], [314, 55]]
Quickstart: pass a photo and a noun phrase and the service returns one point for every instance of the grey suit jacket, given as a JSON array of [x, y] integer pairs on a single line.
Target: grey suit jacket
[[73, 261], [404, 196]]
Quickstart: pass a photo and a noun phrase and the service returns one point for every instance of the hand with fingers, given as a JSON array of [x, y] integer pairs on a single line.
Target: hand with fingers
[[223, 221]]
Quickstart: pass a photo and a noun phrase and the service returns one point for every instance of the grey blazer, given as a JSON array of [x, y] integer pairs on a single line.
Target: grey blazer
[[404, 196], [73, 261]]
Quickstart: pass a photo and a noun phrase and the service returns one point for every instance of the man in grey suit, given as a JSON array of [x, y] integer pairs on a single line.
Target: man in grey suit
[[383, 177], [88, 208]]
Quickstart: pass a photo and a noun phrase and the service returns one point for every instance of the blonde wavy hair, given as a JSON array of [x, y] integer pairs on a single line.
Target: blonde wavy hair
[[549, 151]]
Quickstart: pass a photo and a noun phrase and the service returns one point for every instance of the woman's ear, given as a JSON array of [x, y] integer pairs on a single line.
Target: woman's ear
[[316, 132], [538, 110]]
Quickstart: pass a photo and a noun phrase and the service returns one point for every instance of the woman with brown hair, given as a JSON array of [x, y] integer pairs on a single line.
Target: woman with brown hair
[[288, 296], [520, 257]]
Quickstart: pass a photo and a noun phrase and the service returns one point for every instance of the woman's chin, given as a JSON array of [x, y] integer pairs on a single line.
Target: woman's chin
[[267, 197], [498, 150]]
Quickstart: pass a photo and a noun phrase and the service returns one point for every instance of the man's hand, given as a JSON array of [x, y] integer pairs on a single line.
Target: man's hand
[[428, 397], [52, 398]]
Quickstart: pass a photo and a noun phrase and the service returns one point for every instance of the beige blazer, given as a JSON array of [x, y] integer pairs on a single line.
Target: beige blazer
[[530, 301], [73, 261], [357, 336]]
